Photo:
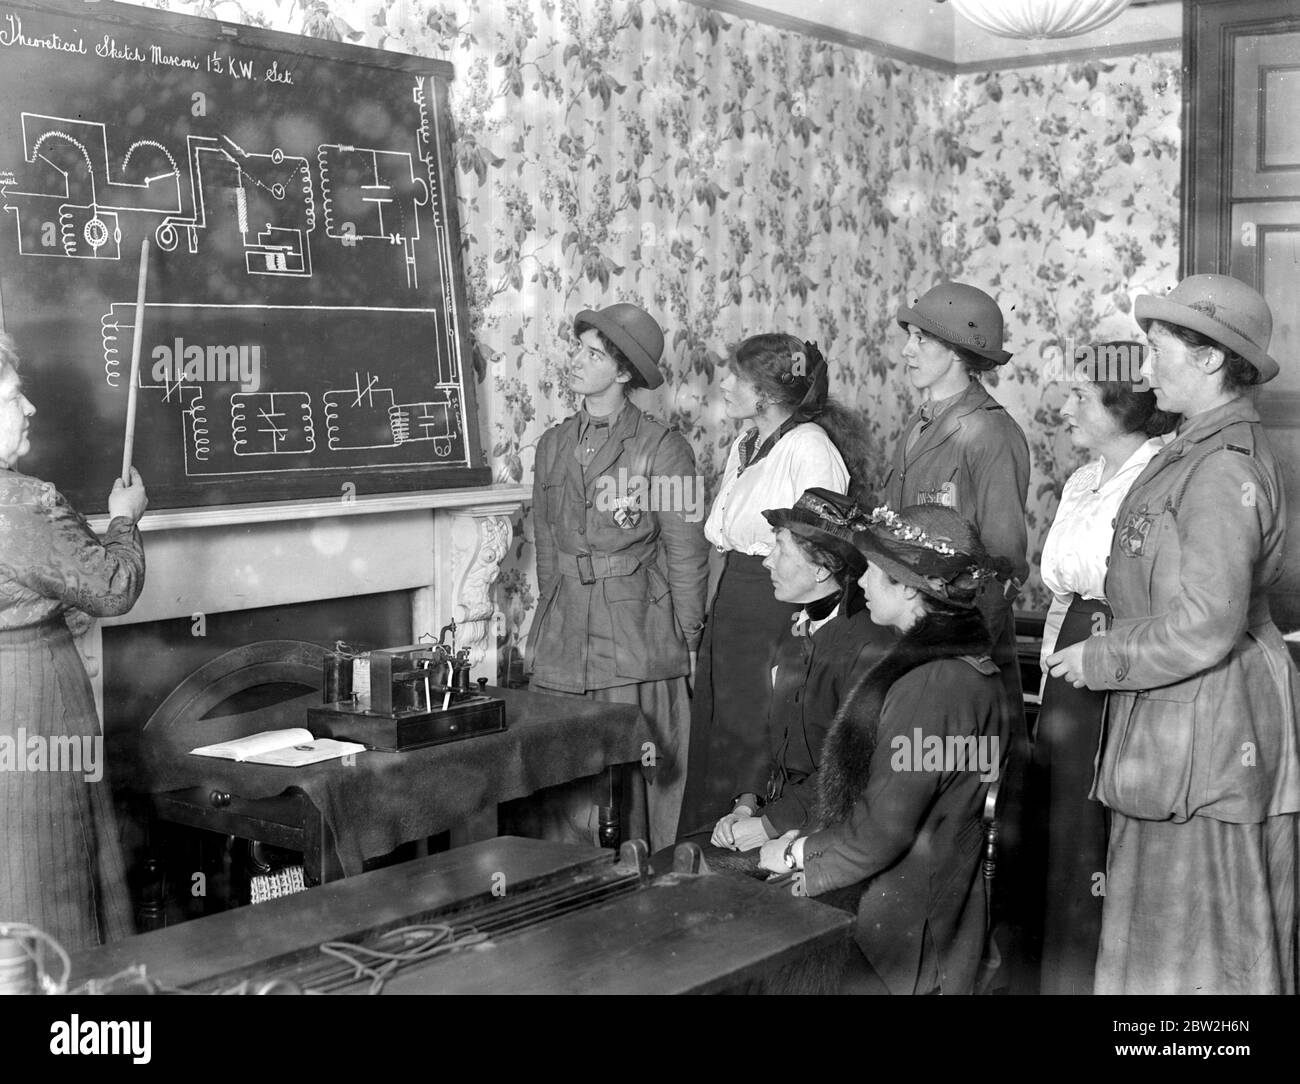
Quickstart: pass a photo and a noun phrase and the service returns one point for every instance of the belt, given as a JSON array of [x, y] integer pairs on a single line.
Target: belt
[[590, 567], [52, 628]]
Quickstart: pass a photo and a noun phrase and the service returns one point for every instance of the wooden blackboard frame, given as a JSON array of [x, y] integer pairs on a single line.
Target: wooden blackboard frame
[[127, 21]]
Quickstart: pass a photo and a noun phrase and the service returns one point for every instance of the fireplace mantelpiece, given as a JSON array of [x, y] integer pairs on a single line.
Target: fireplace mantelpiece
[[445, 547]]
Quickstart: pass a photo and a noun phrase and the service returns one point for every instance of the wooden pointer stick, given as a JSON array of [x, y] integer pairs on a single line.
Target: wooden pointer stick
[[129, 443]]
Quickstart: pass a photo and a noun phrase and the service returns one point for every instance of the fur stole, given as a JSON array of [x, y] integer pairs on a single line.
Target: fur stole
[[851, 740]]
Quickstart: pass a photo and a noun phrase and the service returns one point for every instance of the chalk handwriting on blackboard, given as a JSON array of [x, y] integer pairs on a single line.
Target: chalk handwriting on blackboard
[[303, 313]]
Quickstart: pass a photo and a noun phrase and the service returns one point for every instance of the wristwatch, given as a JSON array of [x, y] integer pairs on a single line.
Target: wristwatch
[[788, 856]]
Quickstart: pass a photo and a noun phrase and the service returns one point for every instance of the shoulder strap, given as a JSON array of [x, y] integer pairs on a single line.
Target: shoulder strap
[[1223, 446], [645, 456]]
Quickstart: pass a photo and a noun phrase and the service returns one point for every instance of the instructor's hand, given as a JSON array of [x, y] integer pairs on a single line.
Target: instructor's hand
[[128, 501]]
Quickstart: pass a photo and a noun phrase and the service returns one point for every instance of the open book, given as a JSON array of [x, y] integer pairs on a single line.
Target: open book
[[284, 748]]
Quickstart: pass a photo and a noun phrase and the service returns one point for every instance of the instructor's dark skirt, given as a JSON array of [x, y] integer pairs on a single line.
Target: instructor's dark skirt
[[729, 751]]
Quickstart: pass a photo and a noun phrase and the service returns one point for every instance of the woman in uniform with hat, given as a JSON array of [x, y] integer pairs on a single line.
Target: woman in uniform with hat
[[962, 449], [796, 440], [1200, 763], [818, 659], [897, 824], [621, 557]]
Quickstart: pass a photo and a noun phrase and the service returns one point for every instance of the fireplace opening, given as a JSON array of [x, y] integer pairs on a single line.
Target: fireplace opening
[[143, 663]]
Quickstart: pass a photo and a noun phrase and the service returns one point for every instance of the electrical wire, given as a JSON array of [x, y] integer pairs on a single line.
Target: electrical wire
[[24, 935], [378, 964]]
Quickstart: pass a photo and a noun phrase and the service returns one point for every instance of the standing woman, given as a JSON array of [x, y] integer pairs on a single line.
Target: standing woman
[[1200, 766], [61, 865], [621, 558], [962, 449], [1122, 427], [779, 385]]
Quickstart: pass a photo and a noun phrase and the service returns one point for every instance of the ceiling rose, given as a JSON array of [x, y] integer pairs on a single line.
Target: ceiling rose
[[1039, 18]]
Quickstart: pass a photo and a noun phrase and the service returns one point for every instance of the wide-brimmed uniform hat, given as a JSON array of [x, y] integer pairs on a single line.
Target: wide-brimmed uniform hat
[[826, 519], [1221, 308], [930, 547], [962, 316], [634, 331]]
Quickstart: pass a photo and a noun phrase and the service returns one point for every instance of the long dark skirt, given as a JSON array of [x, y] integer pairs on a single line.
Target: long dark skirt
[[1073, 828], [729, 750], [61, 863]]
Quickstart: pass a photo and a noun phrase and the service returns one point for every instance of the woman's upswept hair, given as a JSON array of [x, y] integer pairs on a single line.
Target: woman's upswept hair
[[772, 364], [1133, 408]]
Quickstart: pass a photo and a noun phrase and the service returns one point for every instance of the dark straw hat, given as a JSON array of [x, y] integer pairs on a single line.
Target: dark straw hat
[[634, 331], [1220, 308], [930, 547], [825, 518], [962, 316]]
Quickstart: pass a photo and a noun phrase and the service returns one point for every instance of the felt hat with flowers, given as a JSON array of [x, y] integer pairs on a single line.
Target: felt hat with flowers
[[930, 547]]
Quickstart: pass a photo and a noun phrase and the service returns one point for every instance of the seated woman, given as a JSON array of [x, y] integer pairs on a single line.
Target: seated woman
[[908, 763], [830, 644]]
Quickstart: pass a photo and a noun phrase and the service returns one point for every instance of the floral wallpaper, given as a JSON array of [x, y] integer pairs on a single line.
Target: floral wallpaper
[[733, 178]]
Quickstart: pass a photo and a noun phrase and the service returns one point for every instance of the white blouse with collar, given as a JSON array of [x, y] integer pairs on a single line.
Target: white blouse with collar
[[803, 459], [1078, 543]]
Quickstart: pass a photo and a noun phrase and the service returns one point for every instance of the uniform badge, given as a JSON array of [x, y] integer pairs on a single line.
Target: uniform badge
[[1133, 534], [945, 495], [627, 514]]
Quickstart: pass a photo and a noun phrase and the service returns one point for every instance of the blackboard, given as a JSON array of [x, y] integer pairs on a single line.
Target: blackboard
[[304, 330]]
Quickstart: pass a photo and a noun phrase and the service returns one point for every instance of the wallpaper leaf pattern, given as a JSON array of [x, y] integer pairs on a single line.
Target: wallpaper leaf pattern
[[735, 178]]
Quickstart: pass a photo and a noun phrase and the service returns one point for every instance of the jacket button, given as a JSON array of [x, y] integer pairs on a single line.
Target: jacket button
[[1114, 523], [1119, 673], [589, 504], [1108, 562], [582, 530]]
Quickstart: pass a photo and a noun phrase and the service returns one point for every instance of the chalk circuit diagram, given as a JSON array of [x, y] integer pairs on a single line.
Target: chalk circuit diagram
[[83, 190], [71, 198]]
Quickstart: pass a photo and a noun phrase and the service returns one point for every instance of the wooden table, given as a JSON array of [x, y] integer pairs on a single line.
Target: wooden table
[[677, 934], [414, 795]]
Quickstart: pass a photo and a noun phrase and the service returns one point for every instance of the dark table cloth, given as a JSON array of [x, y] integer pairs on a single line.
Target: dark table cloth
[[382, 800]]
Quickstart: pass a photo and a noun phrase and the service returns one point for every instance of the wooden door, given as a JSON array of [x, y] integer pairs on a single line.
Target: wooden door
[[1241, 202]]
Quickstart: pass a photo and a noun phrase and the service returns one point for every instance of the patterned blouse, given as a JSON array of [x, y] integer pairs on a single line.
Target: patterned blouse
[[52, 562]]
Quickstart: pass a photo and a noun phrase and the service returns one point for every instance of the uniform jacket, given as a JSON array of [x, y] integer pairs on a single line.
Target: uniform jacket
[[1201, 719], [814, 675], [646, 579], [973, 458], [913, 834]]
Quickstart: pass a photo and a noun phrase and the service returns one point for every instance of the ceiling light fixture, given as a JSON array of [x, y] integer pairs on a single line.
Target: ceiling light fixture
[[1039, 18]]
